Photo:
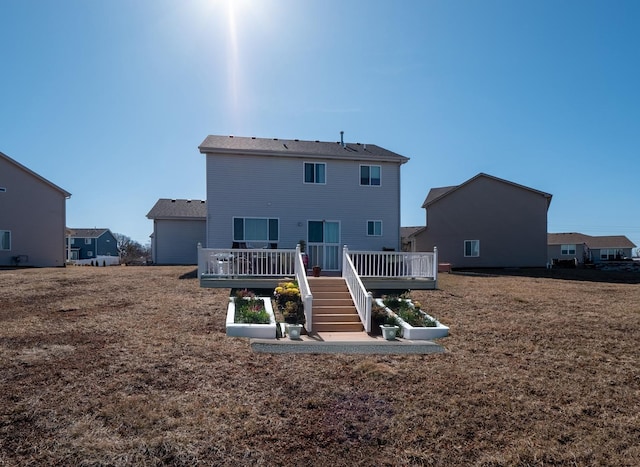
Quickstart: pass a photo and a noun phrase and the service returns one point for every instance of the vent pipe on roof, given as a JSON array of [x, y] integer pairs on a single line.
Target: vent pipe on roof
[[342, 138]]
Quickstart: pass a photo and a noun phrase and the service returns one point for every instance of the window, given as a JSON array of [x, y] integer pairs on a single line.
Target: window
[[374, 228], [370, 175], [2, 189], [611, 253], [472, 248], [87, 241], [315, 173], [5, 240], [568, 250], [255, 229]]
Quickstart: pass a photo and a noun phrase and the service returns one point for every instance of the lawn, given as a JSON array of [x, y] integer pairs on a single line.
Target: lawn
[[131, 365]]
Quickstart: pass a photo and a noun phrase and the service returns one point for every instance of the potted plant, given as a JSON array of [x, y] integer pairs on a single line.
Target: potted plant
[[316, 271], [287, 295], [389, 331]]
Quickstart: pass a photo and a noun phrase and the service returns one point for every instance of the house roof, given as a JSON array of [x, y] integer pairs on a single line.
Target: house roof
[[436, 194], [406, 232], [86, 233], [35, 175], [296, 148], [597, 242], [178, 209]]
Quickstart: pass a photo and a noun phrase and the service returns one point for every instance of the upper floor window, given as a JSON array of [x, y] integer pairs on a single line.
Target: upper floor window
[[87, 241], [370, 175], [472, 248], [255, 229], [374, 228], [5, 239], [315, 172], [568, 250]]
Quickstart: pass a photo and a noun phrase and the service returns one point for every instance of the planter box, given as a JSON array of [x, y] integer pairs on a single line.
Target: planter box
[[259, 331], [418, 333]]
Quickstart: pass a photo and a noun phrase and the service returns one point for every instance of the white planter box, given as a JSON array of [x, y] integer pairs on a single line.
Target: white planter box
[[418, 333], [259, 331]]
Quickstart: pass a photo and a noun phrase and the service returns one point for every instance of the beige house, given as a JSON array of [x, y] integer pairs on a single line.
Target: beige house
[[581, 248], [32, 217], [484, 222]]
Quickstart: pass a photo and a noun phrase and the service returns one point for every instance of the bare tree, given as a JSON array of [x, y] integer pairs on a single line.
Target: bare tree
[[132, 252]]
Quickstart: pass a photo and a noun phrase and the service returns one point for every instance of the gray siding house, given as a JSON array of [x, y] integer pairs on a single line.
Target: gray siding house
[[583, 248], [178, 226], [90, 243], [32, 217], [273, 193], [485, 222]]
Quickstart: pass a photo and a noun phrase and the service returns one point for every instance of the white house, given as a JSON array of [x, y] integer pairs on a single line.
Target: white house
[[273, 193]]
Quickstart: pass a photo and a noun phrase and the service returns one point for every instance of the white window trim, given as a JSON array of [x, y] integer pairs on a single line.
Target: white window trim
[[304, 180], [570, 248], [360, 176], [374, 221], [471, 255]]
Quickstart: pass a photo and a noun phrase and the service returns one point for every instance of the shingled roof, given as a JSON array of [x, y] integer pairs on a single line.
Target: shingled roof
[[286, 147], [178, 209], [437, 193], [597, 242], [86, 233]]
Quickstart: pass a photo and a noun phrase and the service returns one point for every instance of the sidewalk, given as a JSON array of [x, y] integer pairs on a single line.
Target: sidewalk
[[344, 343]]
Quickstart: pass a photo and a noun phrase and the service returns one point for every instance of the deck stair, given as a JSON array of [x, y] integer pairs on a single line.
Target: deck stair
[[333, 307]]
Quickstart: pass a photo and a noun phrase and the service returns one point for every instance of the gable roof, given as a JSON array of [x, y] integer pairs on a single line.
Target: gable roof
[[178, 209], [35, 175], [597, 242], [436, 194], [295, 148], [406, 232], [86, 233]]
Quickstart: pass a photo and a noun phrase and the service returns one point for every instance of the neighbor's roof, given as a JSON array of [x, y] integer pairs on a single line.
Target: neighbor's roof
[[31, 172], [86, 233], [178, 209], [406, 232], [597, 242], [436, 194], [287, 147]]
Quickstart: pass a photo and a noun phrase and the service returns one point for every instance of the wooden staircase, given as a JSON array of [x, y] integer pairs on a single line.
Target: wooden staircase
[[333, 308]]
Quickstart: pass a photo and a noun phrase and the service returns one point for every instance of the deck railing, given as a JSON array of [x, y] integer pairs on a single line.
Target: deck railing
[[246, 262], [361, 297], [305, 290], [395, 264]]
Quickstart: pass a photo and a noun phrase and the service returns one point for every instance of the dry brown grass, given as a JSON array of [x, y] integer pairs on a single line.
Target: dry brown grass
[[131, 365]]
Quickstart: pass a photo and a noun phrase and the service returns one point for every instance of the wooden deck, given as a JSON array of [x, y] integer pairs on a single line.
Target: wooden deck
[[371, 283]]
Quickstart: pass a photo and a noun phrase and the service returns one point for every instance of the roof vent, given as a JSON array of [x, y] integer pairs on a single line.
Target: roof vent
[[342, 139]]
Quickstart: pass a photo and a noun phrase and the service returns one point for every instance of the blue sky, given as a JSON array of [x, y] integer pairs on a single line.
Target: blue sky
[[109, 99]]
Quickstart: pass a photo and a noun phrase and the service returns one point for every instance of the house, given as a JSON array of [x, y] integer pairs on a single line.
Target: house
[[273, 193], [32, 217], [485, 222], [178, 226], [85, 245], [581, 248]]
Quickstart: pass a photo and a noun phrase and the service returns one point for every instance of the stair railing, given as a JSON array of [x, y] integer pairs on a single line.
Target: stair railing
[[305, 290], [361, 297]]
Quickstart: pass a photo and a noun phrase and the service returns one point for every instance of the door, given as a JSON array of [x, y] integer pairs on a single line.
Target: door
[[323, 244]]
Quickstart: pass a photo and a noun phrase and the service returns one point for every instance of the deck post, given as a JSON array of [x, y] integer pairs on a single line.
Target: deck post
[[435, 265]]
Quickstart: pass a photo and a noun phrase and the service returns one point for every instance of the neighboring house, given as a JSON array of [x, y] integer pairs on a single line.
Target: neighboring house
[[178, 226], [272, 193], [32, 217], [485, 222], [88, 244], [583, 248]]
